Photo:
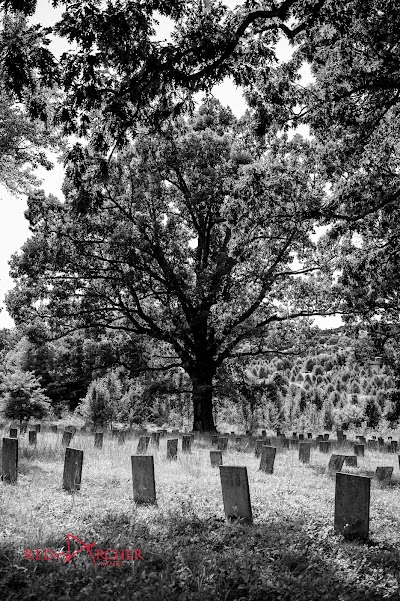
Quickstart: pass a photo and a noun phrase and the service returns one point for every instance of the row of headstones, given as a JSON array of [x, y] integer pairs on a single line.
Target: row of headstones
[[352, 493]]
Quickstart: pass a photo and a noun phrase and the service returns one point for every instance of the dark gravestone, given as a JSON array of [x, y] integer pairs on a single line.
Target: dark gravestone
[[267, 459], [336, 463], [23, 428], [187, 443], [235, 493], [114, 432], [393, 446], [263, 433], [359, 450], [362, 439], [53, 429], [285, 443], [216, 458], [98, 440], [324, 446], [142, 445], [257, 448], [36, 427], [155, 439], [339, 435], [13, 433], [294, 434], [278, 431], [374, 438], [326, 436], [121, 437], [384, 475], [320, 437], [344, 437], [67, 437], [10, 460], [350, 460], [72, 469], [301, 436], [294, 443], [352, 498], [32, 437], [304, 452], [222, 443], [144, 487], [309, 434], [372, 445], [214, 440], [172, 449]]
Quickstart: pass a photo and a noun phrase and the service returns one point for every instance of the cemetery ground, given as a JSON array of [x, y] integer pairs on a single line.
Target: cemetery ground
[[189, 550]]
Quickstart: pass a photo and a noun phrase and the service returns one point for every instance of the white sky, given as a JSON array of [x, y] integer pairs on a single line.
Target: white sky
[[14, 229]]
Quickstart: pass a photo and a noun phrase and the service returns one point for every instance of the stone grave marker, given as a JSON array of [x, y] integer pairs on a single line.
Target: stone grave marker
[[294, 434], [187, 443], [98, 440], [72, 469], [384, 475], [372, 445], [143, 444], [23, 428], [285, 443], [172, 449], [53, 429], [278, 431], [320, 437], [301, 436], [350, 460], [352, 500], [294, 443], [359, 450], [267, 459], [36, 427], [222, 443], [324, 446], [257, 448], [339, 435], [393, 446], [13, 433], [32, 437], [362, 440], [304, 452], [214, 440], [114, 432], [335, 463], [344, 437], [309, 435], [121, 437], [144, 487], [10, 460], [263, 433], [155, 439], [67, 437], [235, 493], [326, 436], [216, 458]]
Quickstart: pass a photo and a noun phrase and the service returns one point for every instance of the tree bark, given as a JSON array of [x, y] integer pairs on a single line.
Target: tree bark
[[202, 389]]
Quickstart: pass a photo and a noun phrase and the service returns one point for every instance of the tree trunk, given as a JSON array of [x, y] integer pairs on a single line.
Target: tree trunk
[[202, 389]]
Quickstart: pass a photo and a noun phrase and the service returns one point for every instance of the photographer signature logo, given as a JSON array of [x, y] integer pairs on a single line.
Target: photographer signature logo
[[108, 557]]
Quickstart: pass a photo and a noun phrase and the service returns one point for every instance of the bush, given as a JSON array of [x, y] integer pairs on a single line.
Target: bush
[[22, 397], [97, 407]]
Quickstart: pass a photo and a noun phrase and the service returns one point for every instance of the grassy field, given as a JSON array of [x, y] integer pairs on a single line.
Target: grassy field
[[290, 552]]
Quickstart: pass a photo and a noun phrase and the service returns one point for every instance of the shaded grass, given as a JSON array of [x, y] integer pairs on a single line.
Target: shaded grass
[[290, 552]]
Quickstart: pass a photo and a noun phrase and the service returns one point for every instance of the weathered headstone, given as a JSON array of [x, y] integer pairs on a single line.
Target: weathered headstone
[[285, 443], [350, 460], [304, 452], [352, 500], [309, 435], [13, 433], [36, 427], [216, 458], [339, 435], [294, 434], [187, 443], [121, 437], [144, 488], [384, 475], [324, 446], [53, 429], [320, 437], [98, 440], [294, 443], [301, 436], [214, 439], [114, 432], [155, 439], [172, 449], [326, 436], [372, 445], [362, 440], [278, 431], [267, 459], [10, 460], [344, 437], [393, 446], [32, 437], [142, 445], [72, 469], [336, 463], [235, 493], [67, 437], [263, 433], [359, 450], [257, 448], [23, 428]]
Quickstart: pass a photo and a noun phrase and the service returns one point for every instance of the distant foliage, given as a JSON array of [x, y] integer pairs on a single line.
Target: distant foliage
[[22, 397]]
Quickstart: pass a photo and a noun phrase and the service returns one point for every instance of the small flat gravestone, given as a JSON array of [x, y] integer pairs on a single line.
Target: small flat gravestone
[[384, 475], [267, 459], [324, 446], [67, 437], [172, 449], [10, 460], [304, 452], [98, 440], [72, 469], [336, 463], [142, 444], [235, 493], [13, 433], [144, 488], [216, 458], [32, 437], [350, 460], [187, 443], [359, 450], [352, 499]]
